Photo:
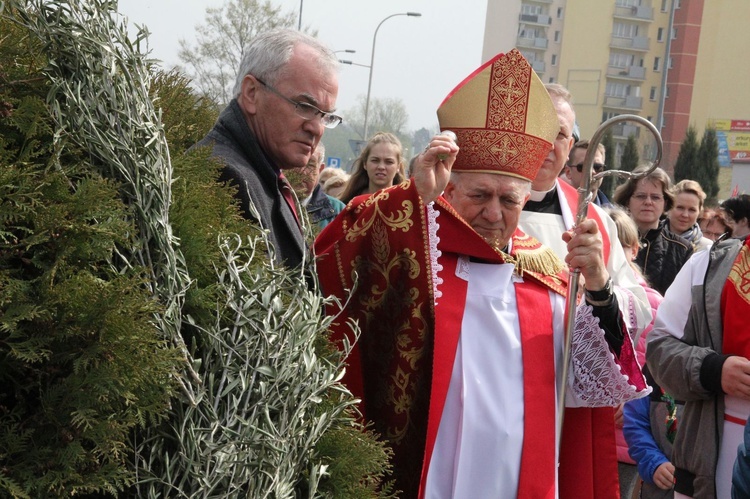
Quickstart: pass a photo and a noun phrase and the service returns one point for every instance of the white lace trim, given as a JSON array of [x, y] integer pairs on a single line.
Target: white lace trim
[[596, 378], [435, 253], [626, 300]]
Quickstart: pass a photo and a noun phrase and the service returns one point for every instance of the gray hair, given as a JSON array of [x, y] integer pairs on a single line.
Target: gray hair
[[268, 53], [559, 91]]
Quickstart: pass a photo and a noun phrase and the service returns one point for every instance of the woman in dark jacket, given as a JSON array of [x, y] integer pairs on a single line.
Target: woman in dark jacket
[[662, 253]]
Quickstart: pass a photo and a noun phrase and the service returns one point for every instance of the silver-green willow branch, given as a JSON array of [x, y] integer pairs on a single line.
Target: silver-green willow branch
[[257, 398], [99, 99]]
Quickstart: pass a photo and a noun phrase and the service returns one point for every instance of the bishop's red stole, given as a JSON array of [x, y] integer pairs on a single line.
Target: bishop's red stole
[[537, 475]]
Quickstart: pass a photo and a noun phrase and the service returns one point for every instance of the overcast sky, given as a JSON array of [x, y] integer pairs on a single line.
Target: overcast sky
[[417, 59]]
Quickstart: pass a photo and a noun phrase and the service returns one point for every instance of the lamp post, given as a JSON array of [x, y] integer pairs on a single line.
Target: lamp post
[[344, 61], [372, 62]]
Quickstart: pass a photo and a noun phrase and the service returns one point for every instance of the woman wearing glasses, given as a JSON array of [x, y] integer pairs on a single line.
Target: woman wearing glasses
[[380, 164], [662, 253]]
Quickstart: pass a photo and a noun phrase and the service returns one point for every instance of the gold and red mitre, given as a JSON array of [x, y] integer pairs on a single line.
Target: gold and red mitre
[[503, 118]]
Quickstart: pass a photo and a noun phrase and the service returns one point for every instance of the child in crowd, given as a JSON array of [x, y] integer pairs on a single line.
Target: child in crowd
[[627, 233]]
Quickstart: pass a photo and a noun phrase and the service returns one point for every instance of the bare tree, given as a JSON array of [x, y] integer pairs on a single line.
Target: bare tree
[[213, 61], [386, 115]]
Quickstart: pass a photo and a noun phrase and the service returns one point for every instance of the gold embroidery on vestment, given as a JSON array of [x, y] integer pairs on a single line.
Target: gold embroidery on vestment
[[740, 274]]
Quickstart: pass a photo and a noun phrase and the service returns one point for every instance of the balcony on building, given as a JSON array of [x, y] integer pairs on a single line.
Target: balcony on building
[[625, 130], [628, 73], [634, 13], [539, 67], [538, 1], [637, 43], [532, 43], [539, 19], [629, 103]]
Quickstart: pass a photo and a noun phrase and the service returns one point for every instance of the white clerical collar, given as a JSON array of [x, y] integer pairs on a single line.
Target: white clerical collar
[[537, 196]]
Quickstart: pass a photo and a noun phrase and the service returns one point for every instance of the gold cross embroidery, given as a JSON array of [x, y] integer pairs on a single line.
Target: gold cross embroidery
[[510, 91], [504, 149]]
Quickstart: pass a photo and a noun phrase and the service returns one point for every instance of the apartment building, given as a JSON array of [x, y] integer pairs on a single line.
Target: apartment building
[[673, 62]]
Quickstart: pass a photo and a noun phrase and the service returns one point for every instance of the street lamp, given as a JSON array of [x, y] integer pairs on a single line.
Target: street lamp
[[351, 63], [372, 61]]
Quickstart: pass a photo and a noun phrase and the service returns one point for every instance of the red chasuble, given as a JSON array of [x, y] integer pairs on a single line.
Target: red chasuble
[[402, 364]]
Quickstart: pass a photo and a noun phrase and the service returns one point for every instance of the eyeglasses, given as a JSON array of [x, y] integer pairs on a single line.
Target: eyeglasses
[[305, 110], [597, 167], [642, 197], [713, 235]]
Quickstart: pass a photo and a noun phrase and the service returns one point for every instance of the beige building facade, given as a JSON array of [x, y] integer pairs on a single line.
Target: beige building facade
[[675, 62]]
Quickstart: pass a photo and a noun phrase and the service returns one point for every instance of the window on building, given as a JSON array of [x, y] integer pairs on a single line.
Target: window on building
[[615, 89], [620, 60], [529, 56], [625, 30], [559, 12], [674, 33], [666, 94], [551, 79], [660, 35], [554, 59], [663, 5], [650, 118], [652, 93], [628, 3], [657, 63], [557, 36], [532, 10], [608, 115], [677, 4]]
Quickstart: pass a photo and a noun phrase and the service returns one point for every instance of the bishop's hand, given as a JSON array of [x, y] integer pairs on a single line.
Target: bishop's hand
[[433, 168], [585, 253]]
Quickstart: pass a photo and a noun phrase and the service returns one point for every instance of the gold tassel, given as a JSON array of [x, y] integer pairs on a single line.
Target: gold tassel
[[541, 260]]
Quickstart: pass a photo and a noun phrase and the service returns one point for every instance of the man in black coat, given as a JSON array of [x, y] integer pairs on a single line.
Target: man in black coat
[[284, 98]]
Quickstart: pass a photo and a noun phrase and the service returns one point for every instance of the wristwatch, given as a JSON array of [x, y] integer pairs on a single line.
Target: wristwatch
[[601, 298]]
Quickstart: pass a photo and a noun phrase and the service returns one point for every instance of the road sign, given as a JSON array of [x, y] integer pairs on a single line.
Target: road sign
[[334, 162]]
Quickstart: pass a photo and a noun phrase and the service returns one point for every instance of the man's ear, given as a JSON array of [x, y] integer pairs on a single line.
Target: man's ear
[[448, 192], [249, 94]]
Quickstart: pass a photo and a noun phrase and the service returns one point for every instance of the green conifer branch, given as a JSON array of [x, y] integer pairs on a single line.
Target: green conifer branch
[[99, 97]]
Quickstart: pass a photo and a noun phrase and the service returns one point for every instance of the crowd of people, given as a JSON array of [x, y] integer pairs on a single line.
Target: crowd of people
[[457, 278]]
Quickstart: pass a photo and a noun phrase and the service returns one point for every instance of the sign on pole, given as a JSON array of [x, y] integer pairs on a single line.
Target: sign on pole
[[334, 162]]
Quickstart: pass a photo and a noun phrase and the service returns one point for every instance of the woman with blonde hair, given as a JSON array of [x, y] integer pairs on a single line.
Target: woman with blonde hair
[[380, 164], [683, 217]]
